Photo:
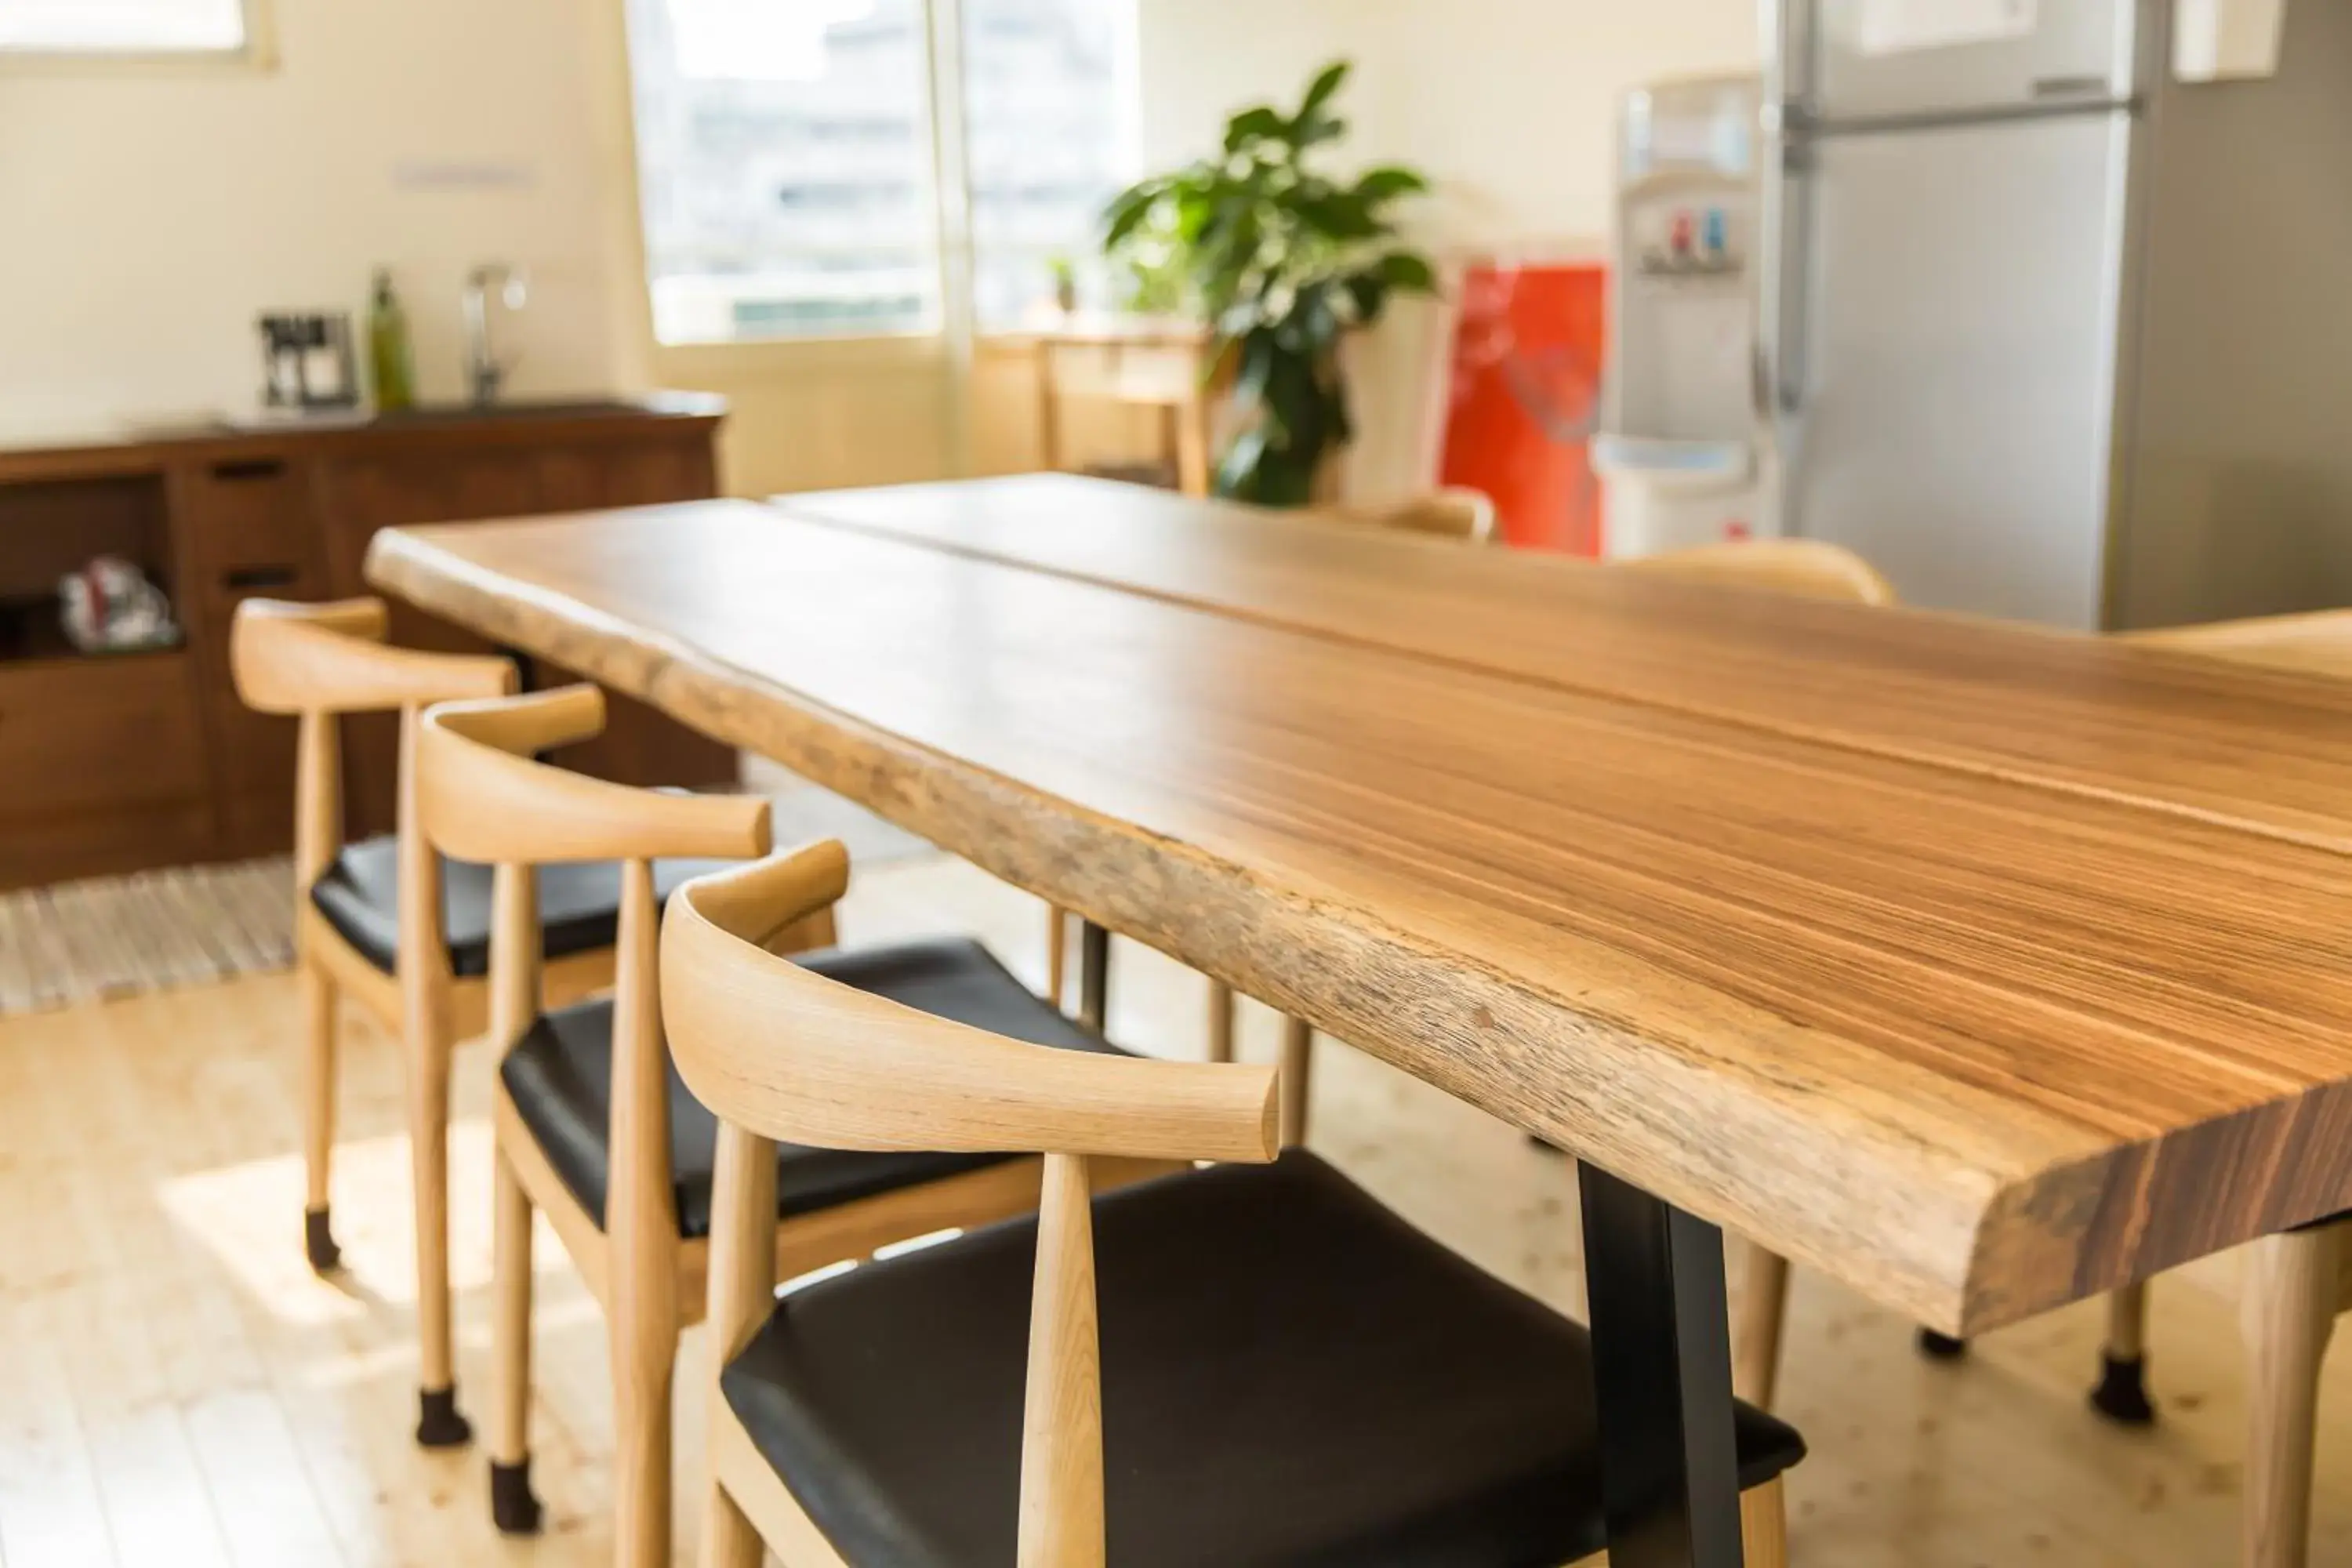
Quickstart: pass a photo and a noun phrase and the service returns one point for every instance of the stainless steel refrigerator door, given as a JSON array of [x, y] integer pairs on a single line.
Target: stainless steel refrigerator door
[[1869, 59], [1953, 384]]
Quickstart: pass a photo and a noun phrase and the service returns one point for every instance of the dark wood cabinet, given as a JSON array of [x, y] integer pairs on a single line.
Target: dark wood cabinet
[[108, 764]]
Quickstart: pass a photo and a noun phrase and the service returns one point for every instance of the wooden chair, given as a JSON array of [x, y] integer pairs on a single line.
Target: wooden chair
[[1807, 567], [1815, 570], [359, 932], [2296, 1284], [592, 1127], [1451, 511], [1284, 1371]]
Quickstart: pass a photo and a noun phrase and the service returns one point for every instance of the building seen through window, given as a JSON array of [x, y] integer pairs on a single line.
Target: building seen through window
[[787, 170]]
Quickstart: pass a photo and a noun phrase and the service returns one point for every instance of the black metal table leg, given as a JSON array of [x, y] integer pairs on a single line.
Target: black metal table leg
[[1093, 975], [1662, 1374]]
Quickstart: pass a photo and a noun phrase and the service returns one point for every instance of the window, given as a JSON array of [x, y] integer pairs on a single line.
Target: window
[[791, 180], [126, 27], [1049, 97]]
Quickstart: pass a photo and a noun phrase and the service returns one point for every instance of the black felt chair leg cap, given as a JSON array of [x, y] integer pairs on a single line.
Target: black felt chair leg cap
[[513, 1509], [2122, 1395], [438, 1424], [319, 1241], [1941, 1347]]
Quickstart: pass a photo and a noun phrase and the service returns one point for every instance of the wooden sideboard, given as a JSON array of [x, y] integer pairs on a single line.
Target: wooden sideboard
[[111, 763]]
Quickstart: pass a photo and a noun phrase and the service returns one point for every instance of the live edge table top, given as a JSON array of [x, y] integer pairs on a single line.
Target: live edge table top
[[1973, 1044]]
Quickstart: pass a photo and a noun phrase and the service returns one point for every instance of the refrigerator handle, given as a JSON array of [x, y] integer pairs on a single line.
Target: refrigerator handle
[[1782, 275], [1789, 27]]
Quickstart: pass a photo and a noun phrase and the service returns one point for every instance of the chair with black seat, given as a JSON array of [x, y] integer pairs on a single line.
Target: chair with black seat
[[1251, 1364], [353, 936], [592, 1125]]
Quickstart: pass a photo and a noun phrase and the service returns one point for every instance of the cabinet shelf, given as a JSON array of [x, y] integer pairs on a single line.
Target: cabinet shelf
[[30, 637]]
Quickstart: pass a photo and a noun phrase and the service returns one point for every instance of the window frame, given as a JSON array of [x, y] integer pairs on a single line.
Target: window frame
[[258, 52]]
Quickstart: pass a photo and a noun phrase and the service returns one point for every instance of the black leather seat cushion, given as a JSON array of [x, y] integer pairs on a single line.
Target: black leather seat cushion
[[559, 1075], [1290, 1375], [579, 906]]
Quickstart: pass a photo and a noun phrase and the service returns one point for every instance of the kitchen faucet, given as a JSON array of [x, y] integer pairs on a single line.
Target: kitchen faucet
[[484, 370]]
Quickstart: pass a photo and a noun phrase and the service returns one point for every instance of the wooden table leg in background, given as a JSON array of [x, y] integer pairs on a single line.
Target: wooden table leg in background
[[1661, 1374]]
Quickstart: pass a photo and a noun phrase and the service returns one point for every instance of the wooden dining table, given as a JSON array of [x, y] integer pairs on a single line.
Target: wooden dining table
[[1979, 967]]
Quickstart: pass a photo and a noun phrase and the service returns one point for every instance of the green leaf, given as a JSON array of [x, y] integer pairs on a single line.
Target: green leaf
[[1286, 478], [1258, 124], [1388, 182], [1306, 133], [1127, 210], [1405, 269], [1319, 92], [1258, 356], [1237, 467], [1340, 214]]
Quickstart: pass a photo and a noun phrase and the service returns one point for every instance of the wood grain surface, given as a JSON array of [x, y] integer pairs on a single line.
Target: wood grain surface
[[1975, 1048], [2268, 749]]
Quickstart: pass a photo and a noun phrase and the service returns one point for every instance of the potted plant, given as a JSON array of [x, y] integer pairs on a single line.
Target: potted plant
[[1064, 273], [1282, 261]]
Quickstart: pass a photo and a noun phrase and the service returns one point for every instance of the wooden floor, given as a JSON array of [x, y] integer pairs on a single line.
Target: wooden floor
[[176, 1388]]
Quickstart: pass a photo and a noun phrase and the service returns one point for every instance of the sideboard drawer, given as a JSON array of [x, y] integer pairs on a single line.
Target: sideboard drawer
[[252, 511], [87, 734]]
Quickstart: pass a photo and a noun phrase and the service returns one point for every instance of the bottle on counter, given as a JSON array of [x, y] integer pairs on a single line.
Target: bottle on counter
[[391, 366]]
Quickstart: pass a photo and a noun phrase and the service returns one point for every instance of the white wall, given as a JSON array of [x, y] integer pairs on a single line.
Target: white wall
[[1202, 59], [1510, 105], [146, 216]]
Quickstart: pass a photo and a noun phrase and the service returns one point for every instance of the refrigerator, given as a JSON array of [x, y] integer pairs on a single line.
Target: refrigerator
[[2048, 333]]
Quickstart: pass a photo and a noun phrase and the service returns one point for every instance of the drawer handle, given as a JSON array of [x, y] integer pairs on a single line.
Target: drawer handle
[[247, 469], [262, 577]]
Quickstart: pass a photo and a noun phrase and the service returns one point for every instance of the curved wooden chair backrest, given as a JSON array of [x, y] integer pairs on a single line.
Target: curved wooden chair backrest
[[1810, 567], [481, 796], [1455, 511], [793, 1056], [331, 659], [2318, 642], [780, 1053], [317, 661]]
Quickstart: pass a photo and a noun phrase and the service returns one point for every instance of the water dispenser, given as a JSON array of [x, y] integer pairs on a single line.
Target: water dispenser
[[1683, 450]]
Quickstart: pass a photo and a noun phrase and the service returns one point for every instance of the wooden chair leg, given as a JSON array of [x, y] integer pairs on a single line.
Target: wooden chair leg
[[513, 1507], [2122, 1393], [1297, 1068], [2289, 1311], [1056, 952], [317, 1115], [645, 1352], [1764, 1526], [641, 1230], [1756, 1342], [742, 1295], [438, 1424], [729, 1539], [1221, 1003]]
